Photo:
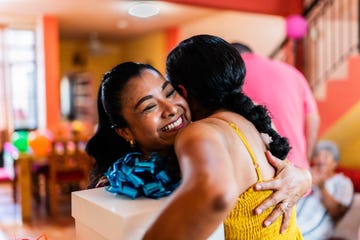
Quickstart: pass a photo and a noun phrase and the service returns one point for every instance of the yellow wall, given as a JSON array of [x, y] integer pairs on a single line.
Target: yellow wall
[[150, 49], [95, 64], [345, 132]]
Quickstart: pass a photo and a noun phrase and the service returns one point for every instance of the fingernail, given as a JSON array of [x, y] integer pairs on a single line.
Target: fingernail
[[267, 223], [258, 187], [258, 211]]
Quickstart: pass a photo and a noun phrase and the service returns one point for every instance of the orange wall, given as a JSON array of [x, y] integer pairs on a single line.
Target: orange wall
[[341, 95], [340, 114], [51, 61], [172, 38]]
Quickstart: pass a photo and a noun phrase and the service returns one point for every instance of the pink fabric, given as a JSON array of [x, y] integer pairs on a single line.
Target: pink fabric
[[287, 96], [4, 175]]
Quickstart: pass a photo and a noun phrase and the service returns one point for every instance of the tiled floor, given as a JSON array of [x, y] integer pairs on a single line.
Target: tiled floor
[[42, 227]]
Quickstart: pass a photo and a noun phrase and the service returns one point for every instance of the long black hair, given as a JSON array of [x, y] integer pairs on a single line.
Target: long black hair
[[106, 146], [213, 73]]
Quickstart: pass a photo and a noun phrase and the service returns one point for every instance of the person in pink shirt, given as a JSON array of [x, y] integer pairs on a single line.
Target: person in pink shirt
[[286, 94]]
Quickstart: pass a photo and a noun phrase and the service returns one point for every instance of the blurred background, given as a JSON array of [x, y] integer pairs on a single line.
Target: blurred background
[[53, 54]]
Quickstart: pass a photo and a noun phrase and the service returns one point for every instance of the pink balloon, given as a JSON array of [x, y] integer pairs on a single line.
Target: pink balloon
[[296, 26], [11, 150]]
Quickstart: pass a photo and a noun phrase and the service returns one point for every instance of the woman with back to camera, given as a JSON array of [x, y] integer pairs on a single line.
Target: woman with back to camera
[[221, 153]]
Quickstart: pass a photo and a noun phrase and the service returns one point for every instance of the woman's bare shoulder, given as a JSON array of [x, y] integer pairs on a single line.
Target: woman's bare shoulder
[[200, 130]]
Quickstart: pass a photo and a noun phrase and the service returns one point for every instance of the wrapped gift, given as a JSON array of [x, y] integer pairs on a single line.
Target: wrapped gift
[[100, 215]]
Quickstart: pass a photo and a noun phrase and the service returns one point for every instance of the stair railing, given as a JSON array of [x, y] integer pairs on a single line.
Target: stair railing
[[332, 37]]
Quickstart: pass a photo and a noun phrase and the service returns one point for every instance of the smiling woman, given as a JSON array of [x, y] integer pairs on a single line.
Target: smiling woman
[[139, 111]]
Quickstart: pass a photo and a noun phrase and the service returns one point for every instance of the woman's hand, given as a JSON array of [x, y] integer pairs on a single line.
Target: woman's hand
[[289, 185]]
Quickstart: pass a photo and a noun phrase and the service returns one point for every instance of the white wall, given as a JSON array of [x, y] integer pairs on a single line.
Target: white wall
[[263, 33]]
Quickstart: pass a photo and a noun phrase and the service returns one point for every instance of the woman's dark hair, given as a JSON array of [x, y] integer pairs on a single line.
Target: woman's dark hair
[[212, 72], [106, 146], [241, 48]]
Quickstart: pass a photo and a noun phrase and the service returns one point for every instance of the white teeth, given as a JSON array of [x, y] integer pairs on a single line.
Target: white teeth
[[173, 125]]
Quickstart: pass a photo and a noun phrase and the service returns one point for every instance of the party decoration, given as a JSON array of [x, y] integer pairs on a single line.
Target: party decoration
[[296, 26], [11, 150], [77, 126], [40, 143], [20, 140]]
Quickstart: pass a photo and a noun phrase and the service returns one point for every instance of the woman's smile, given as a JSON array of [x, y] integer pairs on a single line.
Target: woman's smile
[[175, 125]]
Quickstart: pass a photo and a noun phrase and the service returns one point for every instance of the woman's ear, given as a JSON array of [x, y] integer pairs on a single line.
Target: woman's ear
[[182, 91], [124, 133]]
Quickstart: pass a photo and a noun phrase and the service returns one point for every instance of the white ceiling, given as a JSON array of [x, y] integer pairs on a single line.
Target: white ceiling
[[81, 18]]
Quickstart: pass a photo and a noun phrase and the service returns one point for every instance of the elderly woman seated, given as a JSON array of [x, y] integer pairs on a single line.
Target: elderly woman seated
[[331, 196]]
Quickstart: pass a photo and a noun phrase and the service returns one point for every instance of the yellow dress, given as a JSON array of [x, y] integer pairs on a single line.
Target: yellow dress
[[242, 223]]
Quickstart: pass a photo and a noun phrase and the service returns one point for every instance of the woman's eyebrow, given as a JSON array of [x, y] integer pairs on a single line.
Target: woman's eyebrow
[[143, 99], [164, 85]]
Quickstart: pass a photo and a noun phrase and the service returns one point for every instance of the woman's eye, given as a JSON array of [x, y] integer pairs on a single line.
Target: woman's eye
[[171, 93], [148, 108]]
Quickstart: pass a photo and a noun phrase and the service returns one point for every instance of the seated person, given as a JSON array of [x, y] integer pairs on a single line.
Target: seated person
[[331, 196]]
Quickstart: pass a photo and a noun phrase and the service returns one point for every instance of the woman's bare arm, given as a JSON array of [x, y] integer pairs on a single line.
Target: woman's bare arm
[[207, 193]]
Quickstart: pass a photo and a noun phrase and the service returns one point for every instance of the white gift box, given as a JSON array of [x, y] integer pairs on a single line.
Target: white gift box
[[100, 215]]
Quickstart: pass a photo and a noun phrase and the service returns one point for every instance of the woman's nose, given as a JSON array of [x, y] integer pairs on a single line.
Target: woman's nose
[[169, 109]]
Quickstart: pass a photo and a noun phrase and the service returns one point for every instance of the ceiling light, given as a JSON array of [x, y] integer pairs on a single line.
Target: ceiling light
[[144, 10]]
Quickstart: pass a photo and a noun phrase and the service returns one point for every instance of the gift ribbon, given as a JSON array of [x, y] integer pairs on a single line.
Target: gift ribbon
[[134, 177]]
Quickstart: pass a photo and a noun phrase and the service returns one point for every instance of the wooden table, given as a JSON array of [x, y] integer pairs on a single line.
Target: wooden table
[[24, 175], [23, 165]]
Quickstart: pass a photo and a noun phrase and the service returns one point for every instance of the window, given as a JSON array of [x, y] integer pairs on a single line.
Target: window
[[21, 61]]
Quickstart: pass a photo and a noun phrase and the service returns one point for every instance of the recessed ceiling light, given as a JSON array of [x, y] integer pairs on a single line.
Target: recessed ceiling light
[[143, 10]]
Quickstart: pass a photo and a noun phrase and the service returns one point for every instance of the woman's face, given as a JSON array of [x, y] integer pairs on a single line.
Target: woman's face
[[323, 162], [154, 111]]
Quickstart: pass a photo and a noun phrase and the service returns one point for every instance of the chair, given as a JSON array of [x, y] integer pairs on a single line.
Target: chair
[[38, 170], [69, 168]]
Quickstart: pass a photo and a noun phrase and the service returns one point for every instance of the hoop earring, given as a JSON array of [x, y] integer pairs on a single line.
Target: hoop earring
[[132, 143]]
